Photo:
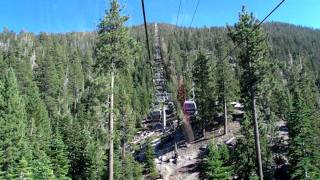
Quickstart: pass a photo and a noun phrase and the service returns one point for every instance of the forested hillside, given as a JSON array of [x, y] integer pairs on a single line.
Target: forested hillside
[[55, 106], [55, 91]]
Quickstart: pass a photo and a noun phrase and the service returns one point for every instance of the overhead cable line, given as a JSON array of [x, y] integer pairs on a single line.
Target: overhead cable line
[[194, 13], [146, 30], [255, 28], [178, 13]]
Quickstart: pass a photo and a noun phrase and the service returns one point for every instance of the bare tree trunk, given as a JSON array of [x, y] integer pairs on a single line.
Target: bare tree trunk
[[225, 118], [256, 135], [31, 126], [75, 106], [123, 153], [111, 130]]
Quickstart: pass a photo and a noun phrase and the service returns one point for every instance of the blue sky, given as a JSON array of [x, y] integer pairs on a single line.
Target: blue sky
[[83, 15]]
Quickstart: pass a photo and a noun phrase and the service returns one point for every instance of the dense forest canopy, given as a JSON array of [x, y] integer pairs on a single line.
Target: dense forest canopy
[[54, 92]]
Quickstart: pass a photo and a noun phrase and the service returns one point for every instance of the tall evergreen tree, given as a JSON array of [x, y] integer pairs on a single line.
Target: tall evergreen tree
[[23, 170], [59, 157], [13, 142], [150, 164], [245, 162], [303, 151], [76, 80], [114, 53], [41, 165], [225, 81], [252, 61], [200, 75]]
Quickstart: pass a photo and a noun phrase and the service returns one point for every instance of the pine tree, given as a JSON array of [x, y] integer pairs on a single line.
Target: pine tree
[[76, 80], [137, 170], [2, 173], [244, 150], [303, 151], [13, 134], [126, 122], [302, 148], [41, 166], [87, 136], [50, 84], [23, 171], [114, 52], [95, 163], [39, 126], [131, 168], [77, 140], [59, 157], [200, 75], [215, 167], [252, 61], [150, 164], [225, 78]]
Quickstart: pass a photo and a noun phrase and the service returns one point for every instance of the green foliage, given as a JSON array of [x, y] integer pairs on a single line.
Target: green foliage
[[39, 122], [253, 176], [81, 165], [23, 171], [216, 163], [254, 70], [2, 173], [252, 57], [13, 129], [42, 168], [131, 168], [59, 157], [150, 165], [245, 161], [114, 47], [94, 158], [225, 75], [118, 54], [62, 86], [303, 149], [62, 92], [137, 170], [200, 75]]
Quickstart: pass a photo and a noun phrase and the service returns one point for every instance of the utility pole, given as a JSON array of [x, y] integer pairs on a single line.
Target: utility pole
[[111, 128], [164, 118], [225, 117]]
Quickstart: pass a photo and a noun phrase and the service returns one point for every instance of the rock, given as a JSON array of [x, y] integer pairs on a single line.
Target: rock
[[229, 141], [157, 161], [203, 147], [164, 158]]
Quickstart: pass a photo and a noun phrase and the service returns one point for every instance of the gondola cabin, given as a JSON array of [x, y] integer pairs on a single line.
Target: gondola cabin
[[190, 108]]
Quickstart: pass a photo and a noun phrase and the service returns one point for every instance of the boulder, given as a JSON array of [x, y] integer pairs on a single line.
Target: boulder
[[164, 158]]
